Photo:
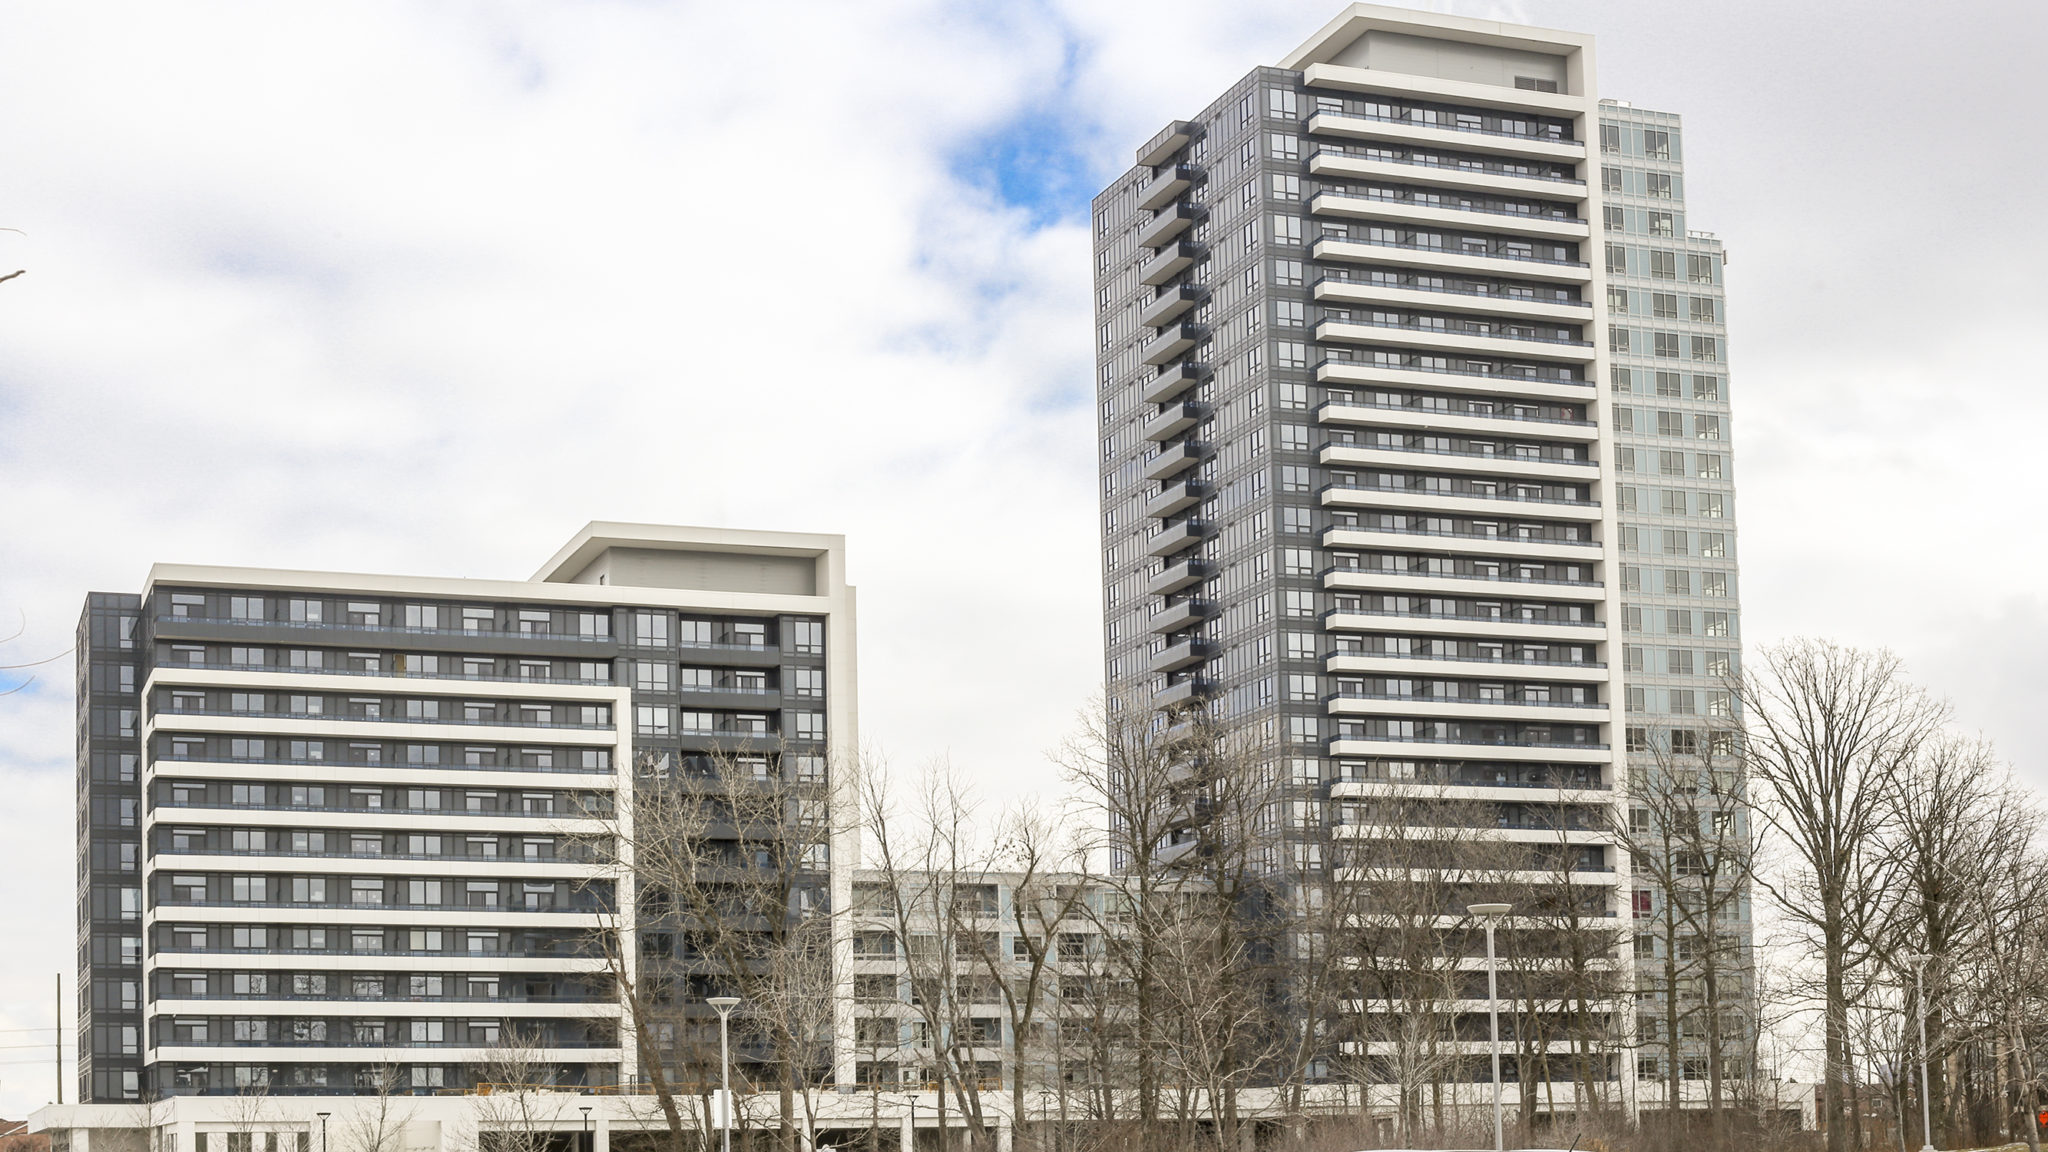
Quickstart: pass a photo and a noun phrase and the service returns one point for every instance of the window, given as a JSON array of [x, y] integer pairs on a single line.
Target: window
[[1705, 427], [1667, 345], [1612, 219], [1663, 264], [1717, 624], [806, 682], [1713, 584], [1678, 621], [1662, 224], [1610, 138], [1658, 184], [654, 720], [1672, 502], [1667, 385], [1287, 274], [1617, 260], [1631, 659], [1711, 505], [650, 676], [1631, 578], [650, 629], [1702, 310], [1617, 303], [1656, 144], [1678, 661], [1671, 463], [1706, 387], [1699, 268], [1676, 542], [1619, 339], [1610, 179], [1664, 305], [1631, 619], [1670, 424], [1677, 582]]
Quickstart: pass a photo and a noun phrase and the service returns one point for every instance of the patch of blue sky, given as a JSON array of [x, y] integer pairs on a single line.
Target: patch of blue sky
[[1037, 162]]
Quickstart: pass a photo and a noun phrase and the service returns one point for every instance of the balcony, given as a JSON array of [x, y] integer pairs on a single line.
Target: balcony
[[1172, 380], [1173, 459], [1175, 577], [1347, 206], [1177, 497], [1173, 340], [1495, 423], [1333, 248], [1169, 183], [1170, 139], [1525, 301], [1193, 650], [1175, 419], [1166, 224], [1178, 616], [1326, 162], [1178, 537], [1183, 692], [1171, 303], [1475, 340], [1472, 139], [1171, 261]]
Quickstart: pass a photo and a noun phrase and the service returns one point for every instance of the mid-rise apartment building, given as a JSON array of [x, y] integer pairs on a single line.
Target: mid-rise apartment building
[[1363, 490], [337, 828]]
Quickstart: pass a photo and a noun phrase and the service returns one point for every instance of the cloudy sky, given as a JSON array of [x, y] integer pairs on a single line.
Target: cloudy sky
[[423, 287]]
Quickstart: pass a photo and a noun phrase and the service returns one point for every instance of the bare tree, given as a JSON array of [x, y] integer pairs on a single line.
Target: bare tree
[[1831, 729], [513, 1113], [378, 1122], [725, 858]]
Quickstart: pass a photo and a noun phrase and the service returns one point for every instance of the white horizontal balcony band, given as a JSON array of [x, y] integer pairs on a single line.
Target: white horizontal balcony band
[[1477, 1005], [1484, 143], [1502, 793], [1366, 578], [1362, 292], [1481, 1090], [1329, 249], [453, 962], [1447, 750], [1343, 332], [1539, 876], [1344, 78], [512, 868], [396, 1006], [1474, 629], [344, 728], [1324, 162], [285, 681], [1449, 216], [1405, 666], [1478, 963], [1442, 503], [1424, 420], [1504, 547], [1354, 372], [395, 1054], [1466, 710], [378, 915], [455, 823], [410, 775], [1573, 837]]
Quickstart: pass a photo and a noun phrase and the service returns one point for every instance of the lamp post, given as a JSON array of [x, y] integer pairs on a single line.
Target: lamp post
[[725, 1005], [588, 1146], [912, 1101], [323, 1130], [1919, 961], [1489, 913]]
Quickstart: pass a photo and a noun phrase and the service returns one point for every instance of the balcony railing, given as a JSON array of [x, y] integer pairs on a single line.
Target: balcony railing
[[1516, 497], [1451, 332], [1537, 137], [330, 717], [1558, 217], [1568, 422], [1523, 292], [1521, 661], [1501, 577], [1354, 695], [1440, 162], [1493, 536], [1443, 251], [1508, 377], [1463, 617]]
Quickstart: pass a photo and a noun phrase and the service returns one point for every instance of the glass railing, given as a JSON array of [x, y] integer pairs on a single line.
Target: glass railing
[[1451, 251]]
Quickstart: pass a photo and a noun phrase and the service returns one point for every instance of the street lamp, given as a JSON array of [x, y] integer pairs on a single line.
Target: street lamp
[[323, 1130], [912, 1101], [725, 1005], [587, 1144], [1489, 913], [1919, 961]]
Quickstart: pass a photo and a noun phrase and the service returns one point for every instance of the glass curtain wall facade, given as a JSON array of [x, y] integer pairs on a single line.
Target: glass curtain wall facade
[[1675, 498]]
